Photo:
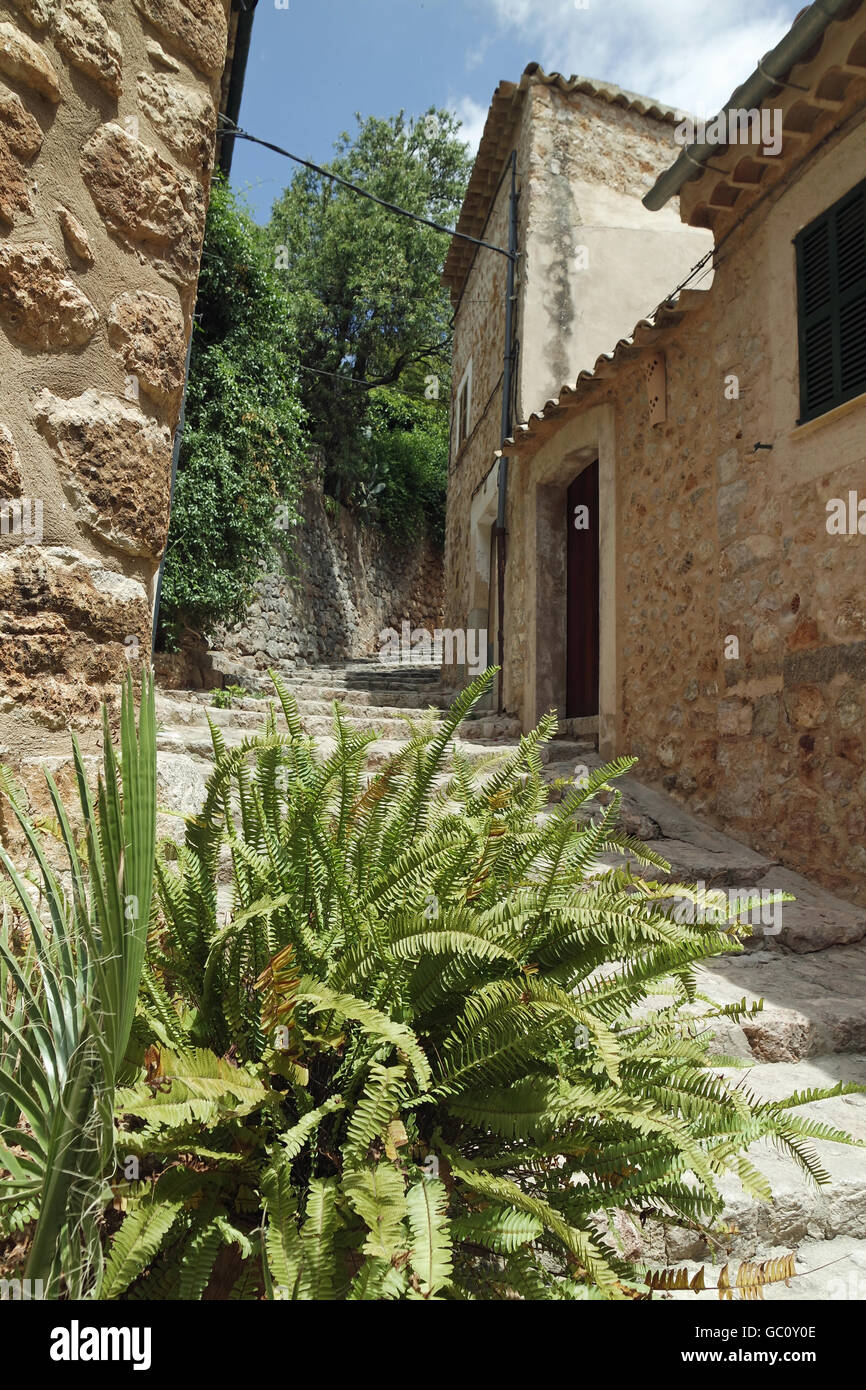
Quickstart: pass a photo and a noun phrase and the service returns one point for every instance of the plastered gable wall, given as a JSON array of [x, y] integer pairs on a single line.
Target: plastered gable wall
[[717, 541], [107, 124], [596, 260]]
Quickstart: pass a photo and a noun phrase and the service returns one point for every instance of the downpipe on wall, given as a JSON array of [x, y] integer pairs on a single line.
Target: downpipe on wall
[[507, 385]]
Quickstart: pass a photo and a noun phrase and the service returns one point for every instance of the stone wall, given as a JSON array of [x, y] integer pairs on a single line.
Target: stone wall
[[348, 583], [736, 628], [107, 127]]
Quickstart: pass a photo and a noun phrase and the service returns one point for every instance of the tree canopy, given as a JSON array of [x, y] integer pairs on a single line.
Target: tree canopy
[[365, 282], [243, 453], [321, 347]]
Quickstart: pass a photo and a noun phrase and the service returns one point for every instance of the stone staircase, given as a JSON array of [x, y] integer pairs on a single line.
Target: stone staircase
[[808, 964], [373, 695]]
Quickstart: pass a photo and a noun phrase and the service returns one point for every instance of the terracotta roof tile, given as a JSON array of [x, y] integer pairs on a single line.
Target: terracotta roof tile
[[644, 334]]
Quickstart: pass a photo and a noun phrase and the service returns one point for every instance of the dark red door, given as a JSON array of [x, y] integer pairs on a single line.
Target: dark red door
[[582, 677]]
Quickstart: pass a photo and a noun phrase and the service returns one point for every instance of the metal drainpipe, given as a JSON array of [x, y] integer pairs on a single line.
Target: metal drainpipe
[[507, 378]]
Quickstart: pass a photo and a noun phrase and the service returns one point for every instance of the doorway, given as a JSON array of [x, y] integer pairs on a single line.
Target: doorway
[[582, 596]]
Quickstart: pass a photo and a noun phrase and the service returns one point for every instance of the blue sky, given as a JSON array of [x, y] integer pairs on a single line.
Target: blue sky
[[313, 65]]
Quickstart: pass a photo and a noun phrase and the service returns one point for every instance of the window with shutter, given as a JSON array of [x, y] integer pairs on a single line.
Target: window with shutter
[[831, 288]]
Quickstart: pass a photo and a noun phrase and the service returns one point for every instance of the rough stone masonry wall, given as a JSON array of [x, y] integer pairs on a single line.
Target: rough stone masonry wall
[[717, 541], [348, 583], [479, 336], [770, 741], [107, 126]]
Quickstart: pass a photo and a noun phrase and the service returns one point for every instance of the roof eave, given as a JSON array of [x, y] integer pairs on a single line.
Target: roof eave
[[766, 78]]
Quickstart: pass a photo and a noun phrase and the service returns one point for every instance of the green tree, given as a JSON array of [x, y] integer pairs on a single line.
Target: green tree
[[242, 459], [406, 459], [365, 286]]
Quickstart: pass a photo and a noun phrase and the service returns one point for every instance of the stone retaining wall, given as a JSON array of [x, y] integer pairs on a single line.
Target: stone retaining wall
[[349, 583]]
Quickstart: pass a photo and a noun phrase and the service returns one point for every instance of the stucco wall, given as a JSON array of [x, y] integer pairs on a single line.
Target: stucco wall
[[595, 260], [107, 122], [714, 541]]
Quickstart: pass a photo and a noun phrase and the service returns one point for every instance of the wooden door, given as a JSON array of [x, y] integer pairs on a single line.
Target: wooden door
[[583, 596]]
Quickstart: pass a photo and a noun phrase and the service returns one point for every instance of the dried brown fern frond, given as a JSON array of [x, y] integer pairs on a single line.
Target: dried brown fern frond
[[751, 1280], [279, 985]]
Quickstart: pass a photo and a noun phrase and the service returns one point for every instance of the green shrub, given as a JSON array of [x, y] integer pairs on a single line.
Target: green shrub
[[407, 466], [457, 1045], [420, 1046]]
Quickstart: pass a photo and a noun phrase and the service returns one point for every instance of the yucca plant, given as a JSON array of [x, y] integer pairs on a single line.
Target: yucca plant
[[422, 1044], [69, 982]]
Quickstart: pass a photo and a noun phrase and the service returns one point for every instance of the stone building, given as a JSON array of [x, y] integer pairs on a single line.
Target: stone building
[[108, 116], [590, 260], [686, 540]]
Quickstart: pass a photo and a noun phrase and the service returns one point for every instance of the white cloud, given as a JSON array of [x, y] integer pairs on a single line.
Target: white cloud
[[687, 53], [473, 115], [476, 56]]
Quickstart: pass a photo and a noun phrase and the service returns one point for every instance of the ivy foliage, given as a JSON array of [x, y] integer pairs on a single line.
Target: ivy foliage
[[242, 458]]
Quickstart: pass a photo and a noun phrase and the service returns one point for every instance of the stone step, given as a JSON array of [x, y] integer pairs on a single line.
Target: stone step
[[799, 1212], [373, 674], [248, 712], [814, 1003], [698, 853], [404, 696], [195, 741]]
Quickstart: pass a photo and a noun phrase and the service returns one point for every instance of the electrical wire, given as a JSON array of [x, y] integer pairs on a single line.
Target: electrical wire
[[232, 131]]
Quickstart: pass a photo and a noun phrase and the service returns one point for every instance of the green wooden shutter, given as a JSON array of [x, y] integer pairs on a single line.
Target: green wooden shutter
[[831, 287]]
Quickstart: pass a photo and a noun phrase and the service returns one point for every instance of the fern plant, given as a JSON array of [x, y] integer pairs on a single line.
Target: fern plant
[[422, 1044]]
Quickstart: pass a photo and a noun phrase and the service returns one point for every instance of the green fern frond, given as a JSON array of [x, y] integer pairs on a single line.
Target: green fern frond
[[430, 1251], [136, 1245]]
